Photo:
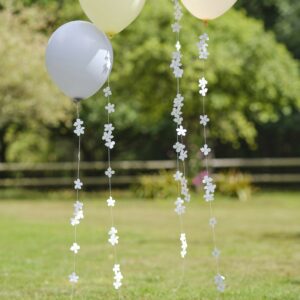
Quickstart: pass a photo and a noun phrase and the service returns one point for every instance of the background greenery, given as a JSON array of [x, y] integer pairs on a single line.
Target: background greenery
[[253, 72]]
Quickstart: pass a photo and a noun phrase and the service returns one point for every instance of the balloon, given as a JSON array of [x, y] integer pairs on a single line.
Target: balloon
[[112, 16], [79, 59], [208, 9]]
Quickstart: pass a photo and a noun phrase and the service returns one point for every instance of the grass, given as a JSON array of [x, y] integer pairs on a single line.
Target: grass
[[260, 242]]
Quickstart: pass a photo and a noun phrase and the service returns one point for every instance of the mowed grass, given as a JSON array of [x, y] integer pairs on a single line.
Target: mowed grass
[[260, 243]]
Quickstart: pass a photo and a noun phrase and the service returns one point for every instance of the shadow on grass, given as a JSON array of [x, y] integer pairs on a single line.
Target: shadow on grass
[[282, 235]]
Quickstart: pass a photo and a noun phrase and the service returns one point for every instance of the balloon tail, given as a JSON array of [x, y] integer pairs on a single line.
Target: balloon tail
[[110, 35], [205, 22]]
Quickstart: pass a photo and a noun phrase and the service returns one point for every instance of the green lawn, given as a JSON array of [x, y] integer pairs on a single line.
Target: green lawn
[[260, 243]]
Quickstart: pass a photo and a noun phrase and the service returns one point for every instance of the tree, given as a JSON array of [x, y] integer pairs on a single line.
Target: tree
[[282, 17], [253, 81], [30, 103], [246, 72]]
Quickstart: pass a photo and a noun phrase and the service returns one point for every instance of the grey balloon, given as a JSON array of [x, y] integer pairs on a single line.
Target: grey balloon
[[76, 59]]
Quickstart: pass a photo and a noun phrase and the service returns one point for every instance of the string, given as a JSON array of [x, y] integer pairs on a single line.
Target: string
[[78, 212], [180, 169], [219, 279], [108, 137]]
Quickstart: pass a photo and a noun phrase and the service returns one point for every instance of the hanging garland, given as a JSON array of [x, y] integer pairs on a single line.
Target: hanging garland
[[183, 195], [110, 144], [206, 11], [78, 206], [208, 182], [79, 74]]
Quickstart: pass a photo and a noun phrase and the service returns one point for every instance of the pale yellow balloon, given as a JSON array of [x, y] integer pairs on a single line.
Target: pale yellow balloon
[[208, 9], [112, 16]]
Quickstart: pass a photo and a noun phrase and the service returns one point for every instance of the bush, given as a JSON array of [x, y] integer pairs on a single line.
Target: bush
[[156, 186], [235, 184]]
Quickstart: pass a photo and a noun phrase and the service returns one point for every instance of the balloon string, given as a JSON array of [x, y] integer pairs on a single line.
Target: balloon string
[[115, 251], [178, 167], [211, 210], [77, 199]]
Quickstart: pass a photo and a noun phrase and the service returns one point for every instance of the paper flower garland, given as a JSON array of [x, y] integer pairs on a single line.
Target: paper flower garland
[[209, 186], [78, 206], [179, 147], [109, 143]]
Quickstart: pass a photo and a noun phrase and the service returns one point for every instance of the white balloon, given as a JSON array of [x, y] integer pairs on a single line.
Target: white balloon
[[76, 59], [112, 16], [208, 9]]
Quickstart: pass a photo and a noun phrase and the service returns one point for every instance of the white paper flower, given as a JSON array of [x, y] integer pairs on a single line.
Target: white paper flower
[[180, 210], [184, 245], [110, 108], [117, 276], [74, 221], [179, 147], [78, 205], [219, 279], [220, 283], [110, 144], [114, 240], [78, 122], [107, 136], [79, 215], [178, 13], [178, 72], [112, 231], [216, 253], [203, 92], [109, 127], [183, 155], [78, 184], [210, 188], [75, 248], [108, 62], [109, 172], [181, 131], [176, 27], [111, 202], [202, 82], [212, 222], [116, 268], [177, 176], [107, 91], [205, 150], [73, 278], [79, 130], [221, 288], [207, 179], [204, 37], [187, 197], [178, 100], [208, 197], [179, 201], [204, 120], [202, 45]]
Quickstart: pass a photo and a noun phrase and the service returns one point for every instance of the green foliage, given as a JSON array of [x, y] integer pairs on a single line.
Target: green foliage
[[247, 73], [282, 17], [243, 72], [235, 184], [159, 186], [30, 103]]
